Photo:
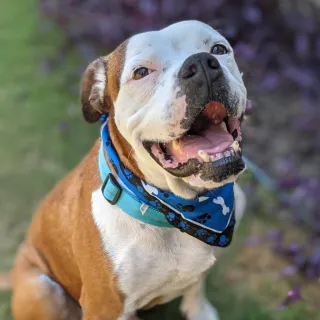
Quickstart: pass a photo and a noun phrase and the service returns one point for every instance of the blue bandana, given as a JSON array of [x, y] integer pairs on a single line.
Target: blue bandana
[[208, 217]]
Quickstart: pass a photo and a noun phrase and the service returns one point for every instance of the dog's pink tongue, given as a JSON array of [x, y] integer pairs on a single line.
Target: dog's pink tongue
[[214, 140]]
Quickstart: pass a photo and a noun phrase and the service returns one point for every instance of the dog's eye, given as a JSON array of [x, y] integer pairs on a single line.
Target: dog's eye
[[219, 49], [141, 73]]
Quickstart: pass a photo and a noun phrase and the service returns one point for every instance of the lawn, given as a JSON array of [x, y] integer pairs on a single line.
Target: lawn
[[43, 135]]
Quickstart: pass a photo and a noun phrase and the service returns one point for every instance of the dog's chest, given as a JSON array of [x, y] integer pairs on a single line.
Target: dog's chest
[[149, 262]]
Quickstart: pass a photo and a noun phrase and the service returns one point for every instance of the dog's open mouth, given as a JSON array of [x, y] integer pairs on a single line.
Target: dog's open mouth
[[211, 147]]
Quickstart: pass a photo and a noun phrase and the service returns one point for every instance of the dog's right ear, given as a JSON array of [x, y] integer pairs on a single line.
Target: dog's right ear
[[94, 98]]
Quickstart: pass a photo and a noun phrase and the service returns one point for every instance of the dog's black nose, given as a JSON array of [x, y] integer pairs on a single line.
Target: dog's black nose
[[199, 68]]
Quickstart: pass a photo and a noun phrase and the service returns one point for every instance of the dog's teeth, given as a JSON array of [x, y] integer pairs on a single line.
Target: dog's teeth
[[212, 158], [218, 155], [227, 154], [176, 145], [235, 146], [204, 156]]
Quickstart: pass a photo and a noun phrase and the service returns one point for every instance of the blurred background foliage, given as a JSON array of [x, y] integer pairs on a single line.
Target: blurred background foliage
[[272, 270]]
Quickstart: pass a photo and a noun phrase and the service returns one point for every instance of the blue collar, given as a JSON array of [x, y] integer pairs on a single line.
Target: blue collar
[[209, 217], [116, 193]]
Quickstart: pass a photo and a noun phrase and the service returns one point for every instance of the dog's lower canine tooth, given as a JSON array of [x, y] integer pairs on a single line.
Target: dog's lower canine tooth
[[235, 146], [176, 145], [204, 156]]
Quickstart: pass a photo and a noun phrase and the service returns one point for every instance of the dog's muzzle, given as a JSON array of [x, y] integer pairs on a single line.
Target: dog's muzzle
[[211, 143]]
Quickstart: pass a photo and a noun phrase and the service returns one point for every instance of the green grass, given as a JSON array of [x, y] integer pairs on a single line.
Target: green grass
[[42, 136]]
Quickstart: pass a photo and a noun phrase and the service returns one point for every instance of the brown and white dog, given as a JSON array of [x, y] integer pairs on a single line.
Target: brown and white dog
[[84, 258]]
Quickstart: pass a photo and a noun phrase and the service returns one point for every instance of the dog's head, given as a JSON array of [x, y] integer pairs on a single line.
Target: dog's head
[[177, 98]]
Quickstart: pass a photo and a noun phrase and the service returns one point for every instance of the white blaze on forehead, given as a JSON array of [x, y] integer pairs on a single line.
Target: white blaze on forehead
[[193, 30], [171, 45]]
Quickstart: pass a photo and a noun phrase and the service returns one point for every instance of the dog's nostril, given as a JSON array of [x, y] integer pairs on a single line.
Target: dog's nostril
[[193, 69], [196, 66], [190, 71], [213, 63]]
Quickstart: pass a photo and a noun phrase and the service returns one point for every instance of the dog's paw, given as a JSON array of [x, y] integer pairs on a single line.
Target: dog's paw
[[207, 312]]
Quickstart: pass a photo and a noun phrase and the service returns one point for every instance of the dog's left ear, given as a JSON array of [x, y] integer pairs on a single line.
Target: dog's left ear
[[94, 98]]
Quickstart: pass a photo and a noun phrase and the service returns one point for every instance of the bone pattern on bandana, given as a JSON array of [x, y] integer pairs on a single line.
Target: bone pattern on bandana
[[209, 217]]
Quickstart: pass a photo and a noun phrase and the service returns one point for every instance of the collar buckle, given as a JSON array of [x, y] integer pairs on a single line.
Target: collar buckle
[[111, 189]]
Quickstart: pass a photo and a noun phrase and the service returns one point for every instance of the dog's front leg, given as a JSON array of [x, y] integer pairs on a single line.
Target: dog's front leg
[[195, 306], [97, 304], [108, 308]]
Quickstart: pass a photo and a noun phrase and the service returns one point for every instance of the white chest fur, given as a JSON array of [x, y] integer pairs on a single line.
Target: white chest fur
[[149, 261]]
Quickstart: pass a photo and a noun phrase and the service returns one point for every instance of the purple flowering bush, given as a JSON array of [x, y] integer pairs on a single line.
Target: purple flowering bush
[[277, 46]]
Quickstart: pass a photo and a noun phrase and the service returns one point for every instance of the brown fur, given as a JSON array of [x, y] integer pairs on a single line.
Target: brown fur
[[63, 242], [124, 149], [93, 105], [115, 68]]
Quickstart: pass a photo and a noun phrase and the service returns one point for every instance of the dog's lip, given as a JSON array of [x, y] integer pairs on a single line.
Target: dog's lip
[[200, 150], [165, 155]]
